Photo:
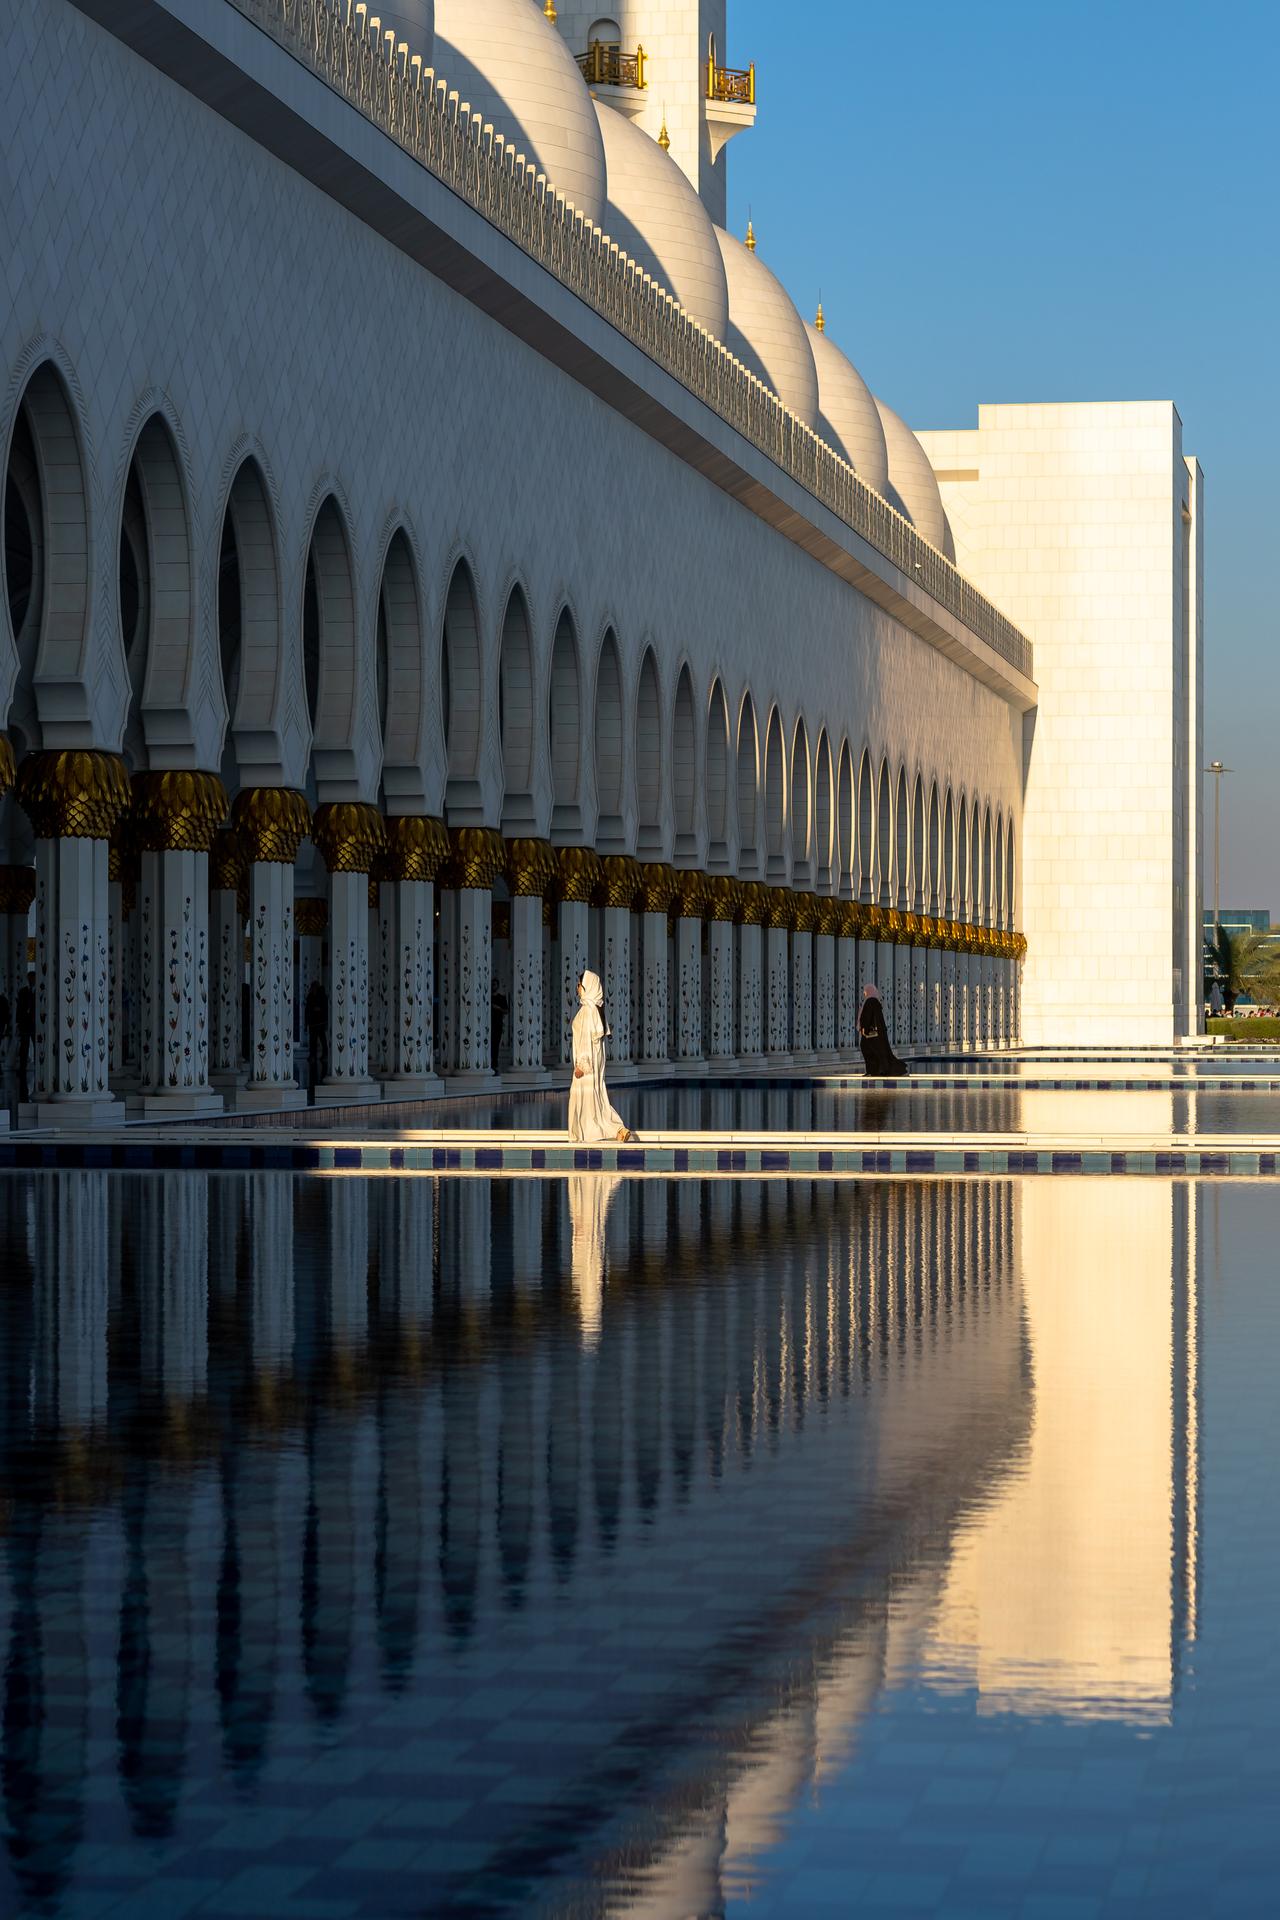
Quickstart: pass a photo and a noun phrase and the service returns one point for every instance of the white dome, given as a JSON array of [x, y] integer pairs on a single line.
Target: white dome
[[766, 332], [507, 60], [412, 21], [654, 213], [911, 478], [848, 418]]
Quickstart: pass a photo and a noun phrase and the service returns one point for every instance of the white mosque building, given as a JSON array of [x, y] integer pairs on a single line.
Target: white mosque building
[[439, 555]]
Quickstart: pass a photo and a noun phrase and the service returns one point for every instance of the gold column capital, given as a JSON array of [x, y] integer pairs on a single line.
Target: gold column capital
[[619, 880], [417, 846], [531, 867], [78, 794], [478, 857], [17, 889], [828, 916], [659, 884], [753, 903], [310, 916], [272, 823], [781, 908], [805, 910], [176, 810], [722, 897], [693, 894], [349, 835], [579, 870], [8, 766]]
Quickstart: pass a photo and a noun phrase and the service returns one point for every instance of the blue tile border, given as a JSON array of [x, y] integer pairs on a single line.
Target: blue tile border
[[234, 1155]]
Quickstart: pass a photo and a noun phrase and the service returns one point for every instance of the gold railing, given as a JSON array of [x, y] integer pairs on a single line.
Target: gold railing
[[737, 84], [417, 110], [604, 64]]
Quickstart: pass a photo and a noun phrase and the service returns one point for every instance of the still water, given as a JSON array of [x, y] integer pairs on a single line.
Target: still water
[[648, 1549]]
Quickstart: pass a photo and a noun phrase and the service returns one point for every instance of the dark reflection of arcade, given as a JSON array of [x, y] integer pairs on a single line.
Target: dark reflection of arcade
[[784, 1416]]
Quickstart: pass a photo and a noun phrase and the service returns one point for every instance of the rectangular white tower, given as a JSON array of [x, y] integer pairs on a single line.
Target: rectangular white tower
[[1084, 524]]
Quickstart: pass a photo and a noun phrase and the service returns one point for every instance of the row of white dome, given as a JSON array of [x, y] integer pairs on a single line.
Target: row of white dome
[[508, 62]]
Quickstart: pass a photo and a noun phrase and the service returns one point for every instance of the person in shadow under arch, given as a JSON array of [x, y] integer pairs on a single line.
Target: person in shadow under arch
[[878, 1057]]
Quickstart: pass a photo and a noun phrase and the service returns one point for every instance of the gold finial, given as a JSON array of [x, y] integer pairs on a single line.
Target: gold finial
[[820, 323], [550, 10], [751, 236], [664, 138]]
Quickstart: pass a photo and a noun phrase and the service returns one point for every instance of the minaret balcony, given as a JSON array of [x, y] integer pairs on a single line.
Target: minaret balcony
[[730, 102], [614, 76]]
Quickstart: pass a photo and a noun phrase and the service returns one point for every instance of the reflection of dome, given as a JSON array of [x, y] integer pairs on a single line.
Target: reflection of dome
[[849, 419], [412, 21], [911, 478], [511, 65], [766, 332], [654, 213]]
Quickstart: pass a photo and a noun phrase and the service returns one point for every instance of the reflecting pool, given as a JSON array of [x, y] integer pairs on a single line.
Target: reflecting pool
[[637, 1548]]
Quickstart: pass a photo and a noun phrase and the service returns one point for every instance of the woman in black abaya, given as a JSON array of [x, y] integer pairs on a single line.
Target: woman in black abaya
[[878, 1057]]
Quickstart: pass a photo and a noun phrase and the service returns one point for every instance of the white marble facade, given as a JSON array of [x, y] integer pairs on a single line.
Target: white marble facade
[[332, 534]]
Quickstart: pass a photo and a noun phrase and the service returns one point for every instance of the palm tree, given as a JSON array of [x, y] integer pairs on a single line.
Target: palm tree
[[1245, 963]]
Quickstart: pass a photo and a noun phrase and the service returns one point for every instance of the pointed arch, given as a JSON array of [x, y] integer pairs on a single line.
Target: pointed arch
[[748, 789], [564, 733], [684, 768], [823, 816], [962, 860], [900, 888], [156, 541], [801, 821], [866, 829], [650, 840], [250, 632], [1010, 878], [845, 814], [935, 894], [988, 884], [775, 800], [884, 835], [609, 738], [975, 861], [919, 850], [46, 561], [402, 693], [329, 649], [462, 693], [947, 891], [515, 717], [717, 781]]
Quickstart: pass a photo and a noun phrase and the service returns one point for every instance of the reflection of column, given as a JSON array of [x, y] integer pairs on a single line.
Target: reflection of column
[[271, 1270], [272, 823], [74, 801], [416, 849], [579, 871], [778, 976], [721, 1039], [174, 819], [350, 836], [478, 858], [658, 885], [70, 1302], [691, 904], [153, 1681], [173, 1284], [753, 911], [530, 866], [621, 880], [226, 933], [804, 919]]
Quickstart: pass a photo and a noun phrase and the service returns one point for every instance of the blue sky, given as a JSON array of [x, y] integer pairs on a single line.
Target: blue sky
[[1026, 202]]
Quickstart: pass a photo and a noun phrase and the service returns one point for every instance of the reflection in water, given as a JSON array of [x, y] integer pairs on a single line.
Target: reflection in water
[[595, 1516]]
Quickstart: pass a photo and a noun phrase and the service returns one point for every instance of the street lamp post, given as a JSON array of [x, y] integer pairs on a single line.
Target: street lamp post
[[1216, 768]]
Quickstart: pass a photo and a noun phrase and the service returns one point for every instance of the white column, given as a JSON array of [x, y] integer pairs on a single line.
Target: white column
[[868, 954], [617, 986], [270, 1081], [447, 942], [847, 994], [886, 980], [825, 1018], [919, 996], [408, 907], [174, 896], [933, 995], [1016, 1033], [348, 1077], [653, 1039], [689, 1054], [950, 1000], [382, 932], [118, 963], [73, 1041], [751, 994], [989, 966], [131, 990], [573, 962], [721, 1038], [964, 1004], [473, 968], [227, 939], [778, 989], [802, 995], [526, 990]]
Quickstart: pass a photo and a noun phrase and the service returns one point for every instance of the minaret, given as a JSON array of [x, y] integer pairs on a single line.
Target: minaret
[[689, 80]]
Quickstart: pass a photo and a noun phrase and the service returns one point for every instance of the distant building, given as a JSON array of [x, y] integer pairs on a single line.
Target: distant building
[[1238, 920]]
